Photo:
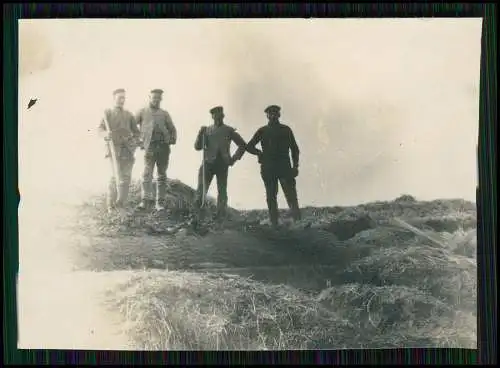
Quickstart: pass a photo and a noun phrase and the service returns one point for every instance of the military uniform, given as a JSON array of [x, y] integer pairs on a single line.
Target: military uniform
[[158, 133], [277, 141], [215, 141], [124, 137]]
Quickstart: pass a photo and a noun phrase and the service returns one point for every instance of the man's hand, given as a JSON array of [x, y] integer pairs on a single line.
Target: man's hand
[[232, 161], [295, 172]]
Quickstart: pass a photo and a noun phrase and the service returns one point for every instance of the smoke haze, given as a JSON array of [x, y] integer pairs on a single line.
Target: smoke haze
[[379, 107]]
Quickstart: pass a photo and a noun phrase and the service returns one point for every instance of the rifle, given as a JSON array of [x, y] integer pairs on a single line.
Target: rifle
[[204, 195], [114, 162]]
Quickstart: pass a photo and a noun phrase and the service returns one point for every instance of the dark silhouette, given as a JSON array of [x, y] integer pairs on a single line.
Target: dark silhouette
[[32, 102], [277, 141], [215, 141]]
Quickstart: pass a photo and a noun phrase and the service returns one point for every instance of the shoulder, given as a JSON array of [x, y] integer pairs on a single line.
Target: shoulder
[[141, 111], [285, 128], [262, 129], [164, 112], [128, 113], [107, 111], [229, 128]]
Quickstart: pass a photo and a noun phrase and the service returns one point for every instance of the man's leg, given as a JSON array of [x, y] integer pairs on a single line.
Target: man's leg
[[147, 179], [112, 194], [205, 176], [126, 166], [222, 174], [289, 186], [162, 160], [271, 183]]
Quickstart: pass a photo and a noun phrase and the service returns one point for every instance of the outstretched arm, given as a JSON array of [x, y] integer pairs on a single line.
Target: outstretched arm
[[257, 137], [294, 148], [242, 146]]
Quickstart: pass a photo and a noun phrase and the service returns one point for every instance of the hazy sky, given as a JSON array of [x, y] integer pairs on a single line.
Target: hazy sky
[[379, 107]]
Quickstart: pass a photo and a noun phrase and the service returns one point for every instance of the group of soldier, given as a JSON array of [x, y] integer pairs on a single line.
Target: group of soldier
[[153, 131]]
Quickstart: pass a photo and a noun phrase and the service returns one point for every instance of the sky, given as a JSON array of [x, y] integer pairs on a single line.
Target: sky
[[379, 107]]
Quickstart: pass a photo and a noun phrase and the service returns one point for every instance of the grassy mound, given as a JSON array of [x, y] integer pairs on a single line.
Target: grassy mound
[[385, 274]]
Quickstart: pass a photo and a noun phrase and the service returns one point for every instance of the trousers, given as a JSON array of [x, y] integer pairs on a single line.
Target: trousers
[[119, 196], [157, 155], [271, 176], [220, 170]]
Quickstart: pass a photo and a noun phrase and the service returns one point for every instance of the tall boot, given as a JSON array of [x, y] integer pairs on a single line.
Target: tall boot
[[161, 191], [295, 210], [273, 212], [112, 195], [123, 194], [221, 209], [147, 195]]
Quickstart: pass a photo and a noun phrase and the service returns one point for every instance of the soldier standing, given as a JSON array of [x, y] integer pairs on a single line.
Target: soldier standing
[[124, 136], [277, 141], [215, 141], [158, 134]]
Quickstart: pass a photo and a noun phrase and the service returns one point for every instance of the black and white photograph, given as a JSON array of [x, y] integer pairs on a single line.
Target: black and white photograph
[[248, 184]]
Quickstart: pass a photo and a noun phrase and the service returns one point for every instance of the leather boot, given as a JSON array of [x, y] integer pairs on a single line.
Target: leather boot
[[161, 191], [112, 195], [123, 195], [273, 213]]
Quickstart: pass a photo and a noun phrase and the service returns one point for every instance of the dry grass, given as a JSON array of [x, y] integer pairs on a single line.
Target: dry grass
[[410, 283]]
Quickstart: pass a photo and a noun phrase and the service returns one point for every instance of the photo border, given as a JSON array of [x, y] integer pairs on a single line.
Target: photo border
[[486, 192]]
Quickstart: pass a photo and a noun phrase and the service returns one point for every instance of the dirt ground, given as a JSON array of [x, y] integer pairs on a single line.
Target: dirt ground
[[90, 280]]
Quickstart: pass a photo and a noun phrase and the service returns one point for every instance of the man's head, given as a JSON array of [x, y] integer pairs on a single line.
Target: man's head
[[217, 114], [273, 113], [155, 97], [119, 97]]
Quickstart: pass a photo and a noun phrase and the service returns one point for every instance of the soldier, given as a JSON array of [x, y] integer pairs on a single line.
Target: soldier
[[158, 134], [277, 141], [215, 141], [124, 136]]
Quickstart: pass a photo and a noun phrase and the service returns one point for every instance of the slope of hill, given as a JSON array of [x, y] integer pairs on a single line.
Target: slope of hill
[[385, 274]]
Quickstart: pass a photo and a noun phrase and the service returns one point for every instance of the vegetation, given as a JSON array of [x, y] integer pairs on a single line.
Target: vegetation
[[384, 274]]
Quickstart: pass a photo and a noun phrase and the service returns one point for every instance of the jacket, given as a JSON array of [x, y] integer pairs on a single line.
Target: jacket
[[148, 118], [124, 131], [218, 141]]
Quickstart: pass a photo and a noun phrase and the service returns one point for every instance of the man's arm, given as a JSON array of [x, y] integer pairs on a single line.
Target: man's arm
[[242, 146], [102, 131], [138, 118], [133, 127], [294, 148], [257, 137], [198, 144], [171, 128]]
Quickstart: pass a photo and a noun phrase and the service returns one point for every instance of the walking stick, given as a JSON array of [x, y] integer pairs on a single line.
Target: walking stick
[[114, 162]]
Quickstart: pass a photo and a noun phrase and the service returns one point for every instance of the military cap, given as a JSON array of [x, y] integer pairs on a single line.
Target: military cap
[[217, 110], [118, 90], [157, 90], [272, 108]]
